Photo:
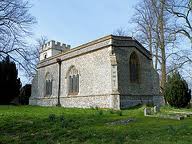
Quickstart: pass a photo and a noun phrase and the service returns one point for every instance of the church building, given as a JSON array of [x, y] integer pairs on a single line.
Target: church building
[[110, 72]]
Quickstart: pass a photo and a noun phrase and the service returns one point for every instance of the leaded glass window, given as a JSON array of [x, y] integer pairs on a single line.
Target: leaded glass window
[[48, 84], [73, 81]]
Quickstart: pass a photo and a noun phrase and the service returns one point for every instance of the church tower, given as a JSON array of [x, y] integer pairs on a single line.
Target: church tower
[[52, 48]]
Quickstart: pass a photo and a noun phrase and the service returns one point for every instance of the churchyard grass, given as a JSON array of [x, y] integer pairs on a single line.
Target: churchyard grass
[[44, 125]]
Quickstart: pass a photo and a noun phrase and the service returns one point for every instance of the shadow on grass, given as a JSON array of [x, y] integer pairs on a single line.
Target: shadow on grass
[[133, 107]]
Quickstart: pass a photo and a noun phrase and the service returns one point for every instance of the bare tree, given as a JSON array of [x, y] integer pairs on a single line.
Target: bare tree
[[158, 24], [39, 43], [33, 58], [120, 32], [145, 20], [34, 55], [15, 26], [153, 29], [182, 11]]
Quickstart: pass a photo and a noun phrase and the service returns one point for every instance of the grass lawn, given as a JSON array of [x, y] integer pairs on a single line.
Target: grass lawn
[[43, 125]]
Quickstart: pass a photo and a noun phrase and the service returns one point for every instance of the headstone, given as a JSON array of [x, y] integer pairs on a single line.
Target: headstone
[[156, 109], [147, 111], [187, 115], [180, 117]]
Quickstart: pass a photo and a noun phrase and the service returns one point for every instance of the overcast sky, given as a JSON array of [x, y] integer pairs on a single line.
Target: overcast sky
[[78, 21]]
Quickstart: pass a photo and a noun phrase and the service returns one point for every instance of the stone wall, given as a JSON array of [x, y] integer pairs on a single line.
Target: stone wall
[[158, 100], [102, 101], [148, 79], [95, 89], [129, 101], [148, 85], [34, 88], [94, 73]]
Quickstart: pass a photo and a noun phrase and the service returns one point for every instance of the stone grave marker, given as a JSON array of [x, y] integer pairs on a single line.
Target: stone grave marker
[[156, 109], [147, 111]]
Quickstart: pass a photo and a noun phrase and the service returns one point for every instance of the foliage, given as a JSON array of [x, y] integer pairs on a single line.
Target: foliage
[[99, 112], [62, 117], [182, 11], [9, 82], [24, 95], [112, 111], [30, 124], [52, 117], [15, 26], [177, 93], [120, 113], [161, 26]]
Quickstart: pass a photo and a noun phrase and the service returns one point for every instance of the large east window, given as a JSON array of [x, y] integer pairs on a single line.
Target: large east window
[[134, 68]]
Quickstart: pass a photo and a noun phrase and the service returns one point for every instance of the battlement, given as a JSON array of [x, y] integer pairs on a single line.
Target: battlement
[[52, 48], [55, 45]]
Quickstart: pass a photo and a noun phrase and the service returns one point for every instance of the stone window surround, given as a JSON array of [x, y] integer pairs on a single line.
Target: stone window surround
[[48, 82], [73, 81]]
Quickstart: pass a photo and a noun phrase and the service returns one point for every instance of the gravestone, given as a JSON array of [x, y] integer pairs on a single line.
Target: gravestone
[[147, 111], [156, 109]]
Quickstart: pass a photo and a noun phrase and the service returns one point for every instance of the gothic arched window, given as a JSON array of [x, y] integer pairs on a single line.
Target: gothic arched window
[[73, 81], [134, 68], [48, 84]]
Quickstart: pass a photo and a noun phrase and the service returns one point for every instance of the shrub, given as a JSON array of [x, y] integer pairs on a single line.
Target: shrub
[[150, 104], [111, 111], [99, 112], [120, 113], [177, 93], [62, 118], [10, 84], [52, 117], [64, 122], [24, 95]]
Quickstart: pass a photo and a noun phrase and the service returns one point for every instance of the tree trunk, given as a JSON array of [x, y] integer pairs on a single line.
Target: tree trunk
[[150, 42], [162, 45]]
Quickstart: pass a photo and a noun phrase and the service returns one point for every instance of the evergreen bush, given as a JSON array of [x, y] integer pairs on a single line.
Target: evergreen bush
[[10, 84], [177, 93], [25, 93]]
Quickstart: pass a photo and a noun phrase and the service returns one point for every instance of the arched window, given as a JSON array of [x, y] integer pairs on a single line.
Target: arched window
[[45, 55], [134, 68], [48, 84], [73, 81]]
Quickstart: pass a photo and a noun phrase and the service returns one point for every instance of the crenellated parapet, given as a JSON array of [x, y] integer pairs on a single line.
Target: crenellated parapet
[[52, 48], [55, 45]]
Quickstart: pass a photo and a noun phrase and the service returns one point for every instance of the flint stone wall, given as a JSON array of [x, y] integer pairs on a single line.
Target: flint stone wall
[[135, 93], [94, 70]]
